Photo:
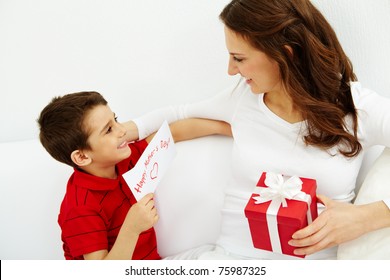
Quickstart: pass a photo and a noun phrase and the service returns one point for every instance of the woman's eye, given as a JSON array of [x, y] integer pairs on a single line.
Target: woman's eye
[[116, 119], [109, 130], [238, 59]]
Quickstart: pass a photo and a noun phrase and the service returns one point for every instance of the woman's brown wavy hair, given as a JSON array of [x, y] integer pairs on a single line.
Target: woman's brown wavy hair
[[317, 74]]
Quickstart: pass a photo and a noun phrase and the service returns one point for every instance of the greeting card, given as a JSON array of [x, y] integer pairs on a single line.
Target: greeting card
[[153, 163]]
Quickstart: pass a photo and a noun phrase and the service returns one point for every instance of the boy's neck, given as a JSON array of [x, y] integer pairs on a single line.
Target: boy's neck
[[108, 172]]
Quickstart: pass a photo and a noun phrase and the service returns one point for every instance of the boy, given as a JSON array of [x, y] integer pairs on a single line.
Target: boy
[[99, 216]]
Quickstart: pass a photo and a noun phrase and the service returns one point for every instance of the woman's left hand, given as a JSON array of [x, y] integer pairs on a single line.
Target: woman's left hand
[[338, 223]]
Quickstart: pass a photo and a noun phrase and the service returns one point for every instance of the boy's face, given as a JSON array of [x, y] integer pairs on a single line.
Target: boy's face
[[107, 137]]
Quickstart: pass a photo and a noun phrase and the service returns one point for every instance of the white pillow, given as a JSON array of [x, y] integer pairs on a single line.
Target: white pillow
[[31, 190], [190, 196], [376, 186]]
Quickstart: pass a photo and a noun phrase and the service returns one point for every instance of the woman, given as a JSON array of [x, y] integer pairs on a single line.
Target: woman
[[297, 110]]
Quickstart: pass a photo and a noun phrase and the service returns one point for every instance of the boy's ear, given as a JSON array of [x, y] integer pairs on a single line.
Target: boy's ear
[[80, 158]]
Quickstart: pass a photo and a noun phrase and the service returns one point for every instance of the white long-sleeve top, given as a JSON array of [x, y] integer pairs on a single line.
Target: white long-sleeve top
[[265, 142]]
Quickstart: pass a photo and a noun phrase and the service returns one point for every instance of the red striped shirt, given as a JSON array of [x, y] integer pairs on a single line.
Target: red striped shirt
[[94, 208]]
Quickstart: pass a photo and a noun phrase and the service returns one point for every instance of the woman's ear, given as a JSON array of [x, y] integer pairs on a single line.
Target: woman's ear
[[290, 50], [80, 158]]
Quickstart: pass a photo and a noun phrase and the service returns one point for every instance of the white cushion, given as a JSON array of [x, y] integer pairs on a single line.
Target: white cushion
[[32, 187], [376, 186], [189, 199], [190, 196]]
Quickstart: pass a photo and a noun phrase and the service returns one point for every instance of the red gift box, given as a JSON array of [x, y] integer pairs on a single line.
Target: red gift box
[[284, 221]]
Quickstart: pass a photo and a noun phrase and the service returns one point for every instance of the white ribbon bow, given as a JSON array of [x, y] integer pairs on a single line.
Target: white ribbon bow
[[277, 191]]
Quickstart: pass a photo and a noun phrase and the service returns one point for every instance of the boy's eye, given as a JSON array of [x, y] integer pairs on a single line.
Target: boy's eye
[[109, 129]]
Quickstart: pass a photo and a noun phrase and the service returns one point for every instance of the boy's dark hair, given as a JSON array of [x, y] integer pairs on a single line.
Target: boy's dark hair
[[61, 124]]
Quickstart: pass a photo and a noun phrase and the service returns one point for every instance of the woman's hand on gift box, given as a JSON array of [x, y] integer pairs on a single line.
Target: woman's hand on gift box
[[338, 223]]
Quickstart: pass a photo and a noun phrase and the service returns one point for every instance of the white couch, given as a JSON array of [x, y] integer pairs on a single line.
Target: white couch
[[189, 199]]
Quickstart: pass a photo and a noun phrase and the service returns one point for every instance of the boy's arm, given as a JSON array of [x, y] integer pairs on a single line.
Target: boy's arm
[[141, 216]]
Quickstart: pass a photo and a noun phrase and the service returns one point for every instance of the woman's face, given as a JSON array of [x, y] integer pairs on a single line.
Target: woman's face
[[260, 72]]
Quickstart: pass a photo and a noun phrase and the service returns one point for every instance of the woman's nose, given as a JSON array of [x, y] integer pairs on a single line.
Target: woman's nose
[[232, 68]]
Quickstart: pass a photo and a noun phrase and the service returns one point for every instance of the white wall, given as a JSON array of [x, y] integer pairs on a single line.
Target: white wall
[[145, 54], [363, 29], [139, 54]]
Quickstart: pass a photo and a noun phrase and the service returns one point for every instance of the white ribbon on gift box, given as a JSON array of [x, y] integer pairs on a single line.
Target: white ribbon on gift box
[[277, 191]]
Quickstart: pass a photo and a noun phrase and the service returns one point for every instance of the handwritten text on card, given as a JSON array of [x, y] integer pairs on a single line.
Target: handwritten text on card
[[152, 165]]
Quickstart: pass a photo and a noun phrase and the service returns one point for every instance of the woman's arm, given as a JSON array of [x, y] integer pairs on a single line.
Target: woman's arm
[[182, 129], [342, 222], [338, 223], [219, 107], [131, 131], [188, 129], [193, 128]]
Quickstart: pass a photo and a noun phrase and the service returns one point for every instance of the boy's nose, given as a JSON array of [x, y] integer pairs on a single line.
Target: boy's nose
[[121, 130]]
